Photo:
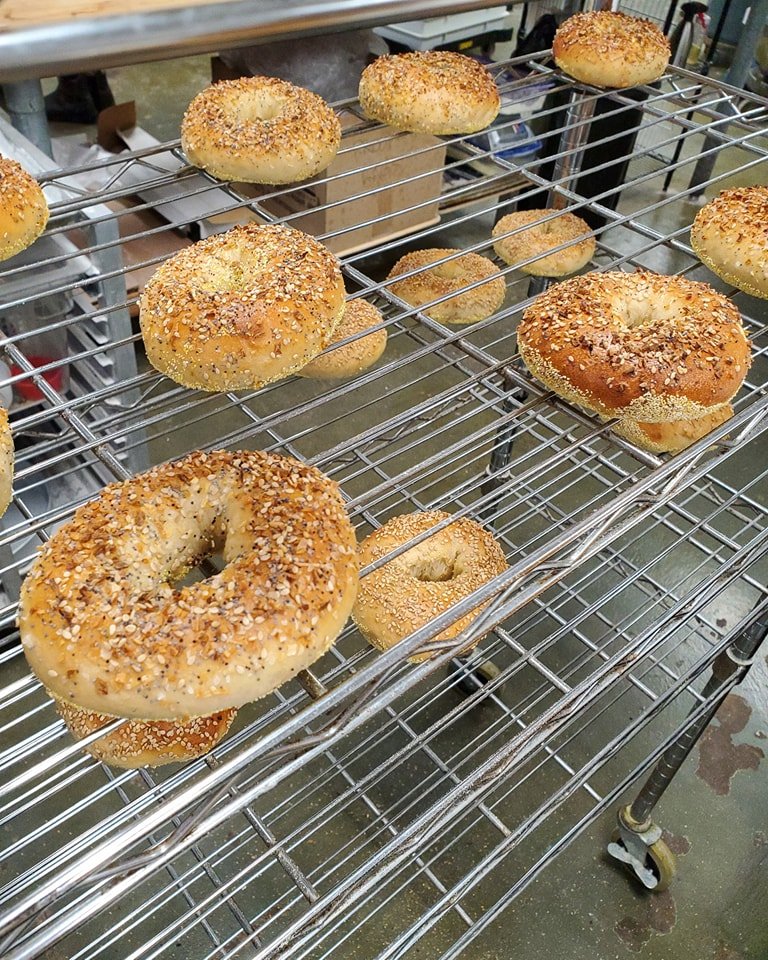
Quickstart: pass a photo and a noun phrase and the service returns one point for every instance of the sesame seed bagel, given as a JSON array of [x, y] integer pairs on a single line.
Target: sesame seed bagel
[[23, 209], [450, 278], [241, 308], [674, 436], [103, 627], [611, 49], [146, 743], [260, 130], [730, 236], [638, 345], [539, 238], [6, 461], [354, 357], [429, 92], [415, 587]]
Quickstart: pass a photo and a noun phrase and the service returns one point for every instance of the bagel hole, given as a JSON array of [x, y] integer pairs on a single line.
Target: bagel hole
[[200, 568], [255, 111], [436, 570]]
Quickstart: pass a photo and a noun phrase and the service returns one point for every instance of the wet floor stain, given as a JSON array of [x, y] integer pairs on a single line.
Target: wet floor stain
[[678, 845], [720, 759], [657, 915]]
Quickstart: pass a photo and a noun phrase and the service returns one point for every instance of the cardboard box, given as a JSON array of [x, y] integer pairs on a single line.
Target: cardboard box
[[344, 222]]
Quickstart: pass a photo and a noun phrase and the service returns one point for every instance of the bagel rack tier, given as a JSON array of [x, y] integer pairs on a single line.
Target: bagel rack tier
[[373, 806]]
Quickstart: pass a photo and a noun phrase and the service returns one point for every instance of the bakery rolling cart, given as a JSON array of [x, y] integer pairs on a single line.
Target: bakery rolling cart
[[375, 806]]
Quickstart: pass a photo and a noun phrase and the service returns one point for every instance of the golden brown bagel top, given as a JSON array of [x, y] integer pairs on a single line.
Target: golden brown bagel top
[[665, 347]]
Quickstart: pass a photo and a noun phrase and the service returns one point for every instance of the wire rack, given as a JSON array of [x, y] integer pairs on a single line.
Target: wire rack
[[373, 805]]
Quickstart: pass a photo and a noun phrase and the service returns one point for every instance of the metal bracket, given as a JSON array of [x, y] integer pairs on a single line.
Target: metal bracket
[[639, 846]]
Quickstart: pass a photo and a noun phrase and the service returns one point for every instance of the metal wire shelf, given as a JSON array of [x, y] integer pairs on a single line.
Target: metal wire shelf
[[394, 765]]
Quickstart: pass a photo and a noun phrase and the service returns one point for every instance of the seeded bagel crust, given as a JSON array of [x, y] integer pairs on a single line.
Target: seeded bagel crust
[[540, 237], [644, 346], [23, 209], [146, 743], [104, 629], [730, 236], [242, 308], [415, 587], [432, 91], [674, 436], [469, 306], [611, 49], [359, 354], [260, 130], [6, 461]]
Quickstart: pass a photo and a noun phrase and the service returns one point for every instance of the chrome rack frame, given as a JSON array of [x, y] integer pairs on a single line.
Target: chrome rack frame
[[590, 636]]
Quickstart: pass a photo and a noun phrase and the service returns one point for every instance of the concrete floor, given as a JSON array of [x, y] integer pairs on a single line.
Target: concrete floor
[[582, 907]]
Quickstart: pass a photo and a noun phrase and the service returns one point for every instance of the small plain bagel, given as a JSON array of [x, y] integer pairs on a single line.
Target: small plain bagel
[[610, 49], [540, 237], [146, 743], [638, 345], [260, 130], [671, 437], [23, 209], [6, 461], [359, 354], [413, 588], [429, 92], [451, 278], [730, 236], [242, 308], [103, 628]]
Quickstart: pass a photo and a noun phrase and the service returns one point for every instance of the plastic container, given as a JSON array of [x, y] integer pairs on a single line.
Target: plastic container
[[40, 348]]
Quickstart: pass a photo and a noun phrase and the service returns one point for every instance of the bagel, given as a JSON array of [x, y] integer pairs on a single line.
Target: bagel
[[418, 585], [142, 743], [671, 437], [450, 278], [241, 308], [6, 461], [354, 357], [638, 345], [260, 130], [430, 91], [103, 627], [538, 238], [23, 209], [730, 236], [609, 49]]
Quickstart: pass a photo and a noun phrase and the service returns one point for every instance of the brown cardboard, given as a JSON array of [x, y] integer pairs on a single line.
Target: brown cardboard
[[389, 202], [111, 120]]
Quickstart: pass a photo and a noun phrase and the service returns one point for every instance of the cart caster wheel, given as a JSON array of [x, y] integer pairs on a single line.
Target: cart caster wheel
[[659, 865], [473, 679]]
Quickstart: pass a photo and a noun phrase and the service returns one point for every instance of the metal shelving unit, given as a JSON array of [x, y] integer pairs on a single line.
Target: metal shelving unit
[[374, 801]]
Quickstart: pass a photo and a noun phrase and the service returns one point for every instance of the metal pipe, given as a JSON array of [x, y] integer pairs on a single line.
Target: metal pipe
[[77, 43], [26, 108], [757, 15]]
